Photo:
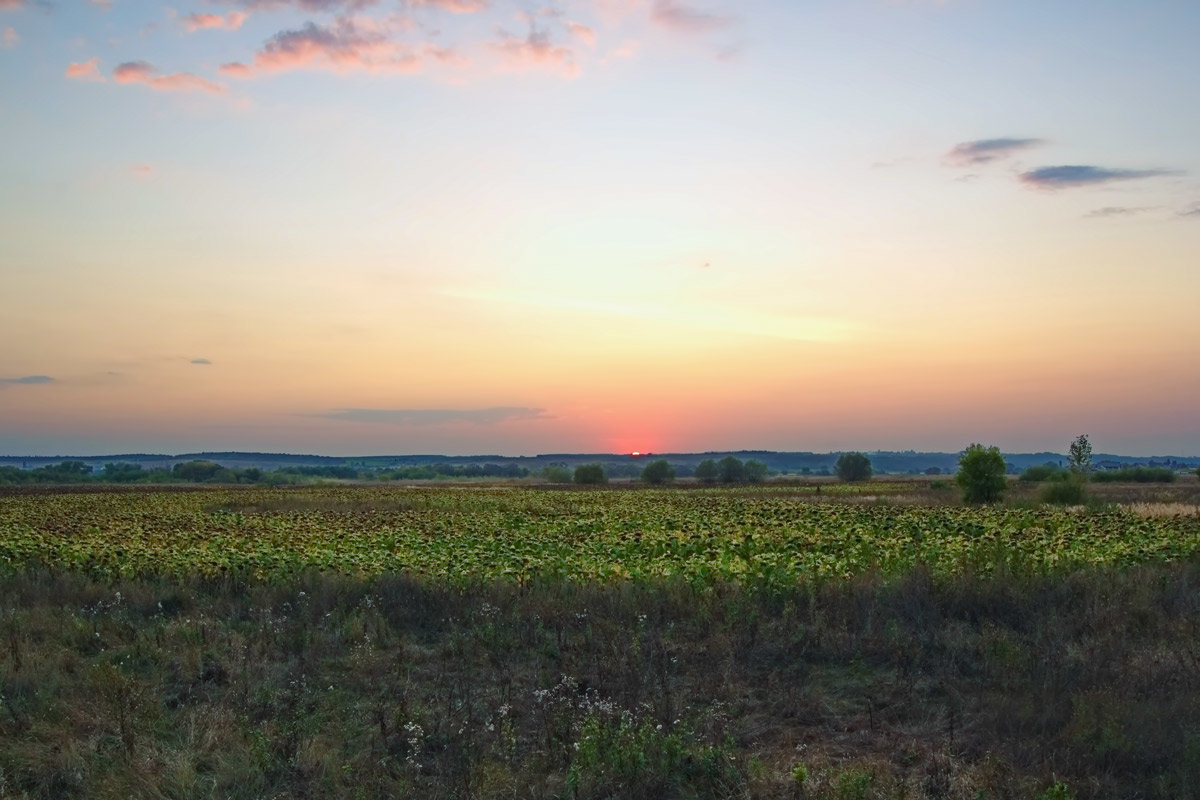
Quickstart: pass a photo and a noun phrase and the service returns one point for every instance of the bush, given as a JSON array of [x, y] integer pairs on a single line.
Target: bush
[[981, 474], [1136, 475], [590, 474], [1063, 493], [555, 473], [853, 467], [1044, 472], [731, 470], [756, 471], [658, 472], [706, 471]]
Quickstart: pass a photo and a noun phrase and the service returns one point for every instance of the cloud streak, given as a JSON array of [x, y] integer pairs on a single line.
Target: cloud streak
[[27, 380], [1117, 211], [536, 50], [682, 18], [85, 71], [348, 45], [1074, 176], [141, 72], [438, 416], [200, 22], [985, 151]]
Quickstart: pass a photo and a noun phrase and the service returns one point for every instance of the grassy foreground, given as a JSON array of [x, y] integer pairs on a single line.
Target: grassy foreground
[[1024, 676]]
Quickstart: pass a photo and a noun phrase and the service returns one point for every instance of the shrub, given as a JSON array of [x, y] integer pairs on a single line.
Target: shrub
[[706, 471], [756, 471], [981, 474], [731, 470], [557, 474], [853, 467], [658, 472], [590, 474], [1044, 472], [1063, 493], [1136, 475]]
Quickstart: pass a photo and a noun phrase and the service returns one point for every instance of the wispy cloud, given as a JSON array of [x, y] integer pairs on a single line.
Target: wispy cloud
[[582, 32], [1073, 176], [307, 5], [536, 49], [27, 380], [1191, 211], [984, 151], [453, 6], [145, 74], [348, 45], [86, 70], [200, 361], [1117, 211], [680, 17], [438, 416], [11, 5], [199, 22], [11, 37]]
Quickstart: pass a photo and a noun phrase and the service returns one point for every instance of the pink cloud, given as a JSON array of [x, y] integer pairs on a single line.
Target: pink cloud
[[199, 22], [682, 18], [146, 74], [11, 5], [10, 37], [142, 170], [453, 6], [86, 71], [583, 33], [349, 45], [536, 50]]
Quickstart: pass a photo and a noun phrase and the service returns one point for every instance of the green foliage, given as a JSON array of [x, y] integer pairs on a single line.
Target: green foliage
[[1057, 791], [981, 474], [1044, 472], [1063, 492], [1079, 458], [1135, 475], [198, 471], [853, 467], [706, 471], [590, 474], [556, 473], [756, 471], [658, 472], [731, 470]]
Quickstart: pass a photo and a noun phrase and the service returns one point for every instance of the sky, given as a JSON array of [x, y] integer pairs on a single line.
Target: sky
[[507, 227]]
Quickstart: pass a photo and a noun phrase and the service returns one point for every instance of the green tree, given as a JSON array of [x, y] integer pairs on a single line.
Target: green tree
[[1079, 459], [756, 471], [197, 470], [658, 472], [557, 473], [706, 471], [853, 467], [731, 470], [590, 474], [981, 474]]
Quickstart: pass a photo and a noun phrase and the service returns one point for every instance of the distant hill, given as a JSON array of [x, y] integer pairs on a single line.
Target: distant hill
[[617, 464]]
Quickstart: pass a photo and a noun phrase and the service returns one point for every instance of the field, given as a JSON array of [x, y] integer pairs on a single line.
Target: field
[[822, 640]]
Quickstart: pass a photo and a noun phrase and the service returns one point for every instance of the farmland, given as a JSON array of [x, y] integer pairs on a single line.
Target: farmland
[[852, 641], [765, 536]]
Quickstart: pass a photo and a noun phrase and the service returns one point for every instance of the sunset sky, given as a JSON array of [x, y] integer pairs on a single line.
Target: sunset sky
[[487, 226]]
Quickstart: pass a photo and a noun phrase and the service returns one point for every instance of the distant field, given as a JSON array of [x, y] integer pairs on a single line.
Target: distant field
[[767, 535]]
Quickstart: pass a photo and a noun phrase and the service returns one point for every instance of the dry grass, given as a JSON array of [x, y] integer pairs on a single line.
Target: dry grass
[[1157, 510]]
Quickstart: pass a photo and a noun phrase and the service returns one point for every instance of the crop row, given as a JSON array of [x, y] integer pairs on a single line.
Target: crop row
[[472, 534]]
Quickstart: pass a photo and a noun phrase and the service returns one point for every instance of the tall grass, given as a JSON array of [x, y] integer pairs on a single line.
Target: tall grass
[[915, 685]]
